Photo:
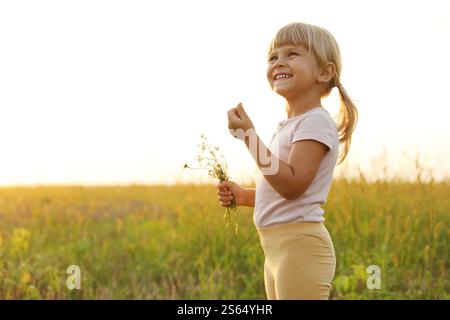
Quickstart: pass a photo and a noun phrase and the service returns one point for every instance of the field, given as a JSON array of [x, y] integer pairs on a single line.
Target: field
[[170, 242]]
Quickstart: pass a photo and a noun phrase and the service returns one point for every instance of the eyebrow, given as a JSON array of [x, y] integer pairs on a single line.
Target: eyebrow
[[290, 47]]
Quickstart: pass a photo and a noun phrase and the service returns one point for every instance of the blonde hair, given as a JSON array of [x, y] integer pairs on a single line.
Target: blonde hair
[[321, 43]]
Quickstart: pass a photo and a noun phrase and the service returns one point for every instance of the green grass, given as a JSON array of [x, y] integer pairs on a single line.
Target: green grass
[[169, 242]]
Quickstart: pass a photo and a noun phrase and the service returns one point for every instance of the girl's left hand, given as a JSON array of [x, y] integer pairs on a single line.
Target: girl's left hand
[[238, 119]]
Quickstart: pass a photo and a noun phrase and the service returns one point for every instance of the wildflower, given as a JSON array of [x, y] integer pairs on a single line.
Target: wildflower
[[211, 158]]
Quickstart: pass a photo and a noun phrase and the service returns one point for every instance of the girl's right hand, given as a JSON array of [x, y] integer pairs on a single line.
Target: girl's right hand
[[229, 190]]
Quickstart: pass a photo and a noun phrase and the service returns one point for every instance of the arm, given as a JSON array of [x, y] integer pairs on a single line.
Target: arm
[[295, 176], [249, 198], [292, 178]]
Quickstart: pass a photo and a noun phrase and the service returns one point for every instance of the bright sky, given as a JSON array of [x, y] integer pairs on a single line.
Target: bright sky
[[99, 92]]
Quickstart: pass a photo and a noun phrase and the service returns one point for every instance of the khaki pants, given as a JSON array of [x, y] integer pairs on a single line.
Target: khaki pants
[[300, 261]]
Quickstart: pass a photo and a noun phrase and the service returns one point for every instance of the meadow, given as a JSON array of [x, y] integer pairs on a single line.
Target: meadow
[[170, 242]]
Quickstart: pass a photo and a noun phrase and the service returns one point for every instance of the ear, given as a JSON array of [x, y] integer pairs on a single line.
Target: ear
[[326, 73]]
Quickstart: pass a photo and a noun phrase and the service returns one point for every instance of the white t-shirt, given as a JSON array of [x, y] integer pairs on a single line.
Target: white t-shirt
[[270, 207]]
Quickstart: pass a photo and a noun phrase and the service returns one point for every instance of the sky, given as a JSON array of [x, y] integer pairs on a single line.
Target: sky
[[118, 92]]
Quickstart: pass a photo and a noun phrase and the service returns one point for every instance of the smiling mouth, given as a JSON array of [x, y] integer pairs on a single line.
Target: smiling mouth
[[281, 79], [282, 76]]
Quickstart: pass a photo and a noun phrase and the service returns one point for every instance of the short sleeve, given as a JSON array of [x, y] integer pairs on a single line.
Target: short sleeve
[[314, 127]]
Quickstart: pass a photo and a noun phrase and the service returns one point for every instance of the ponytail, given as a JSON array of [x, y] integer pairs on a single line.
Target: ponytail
[[346, 122]]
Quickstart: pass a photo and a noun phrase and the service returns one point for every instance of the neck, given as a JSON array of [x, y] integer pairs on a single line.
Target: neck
[[300, 104]]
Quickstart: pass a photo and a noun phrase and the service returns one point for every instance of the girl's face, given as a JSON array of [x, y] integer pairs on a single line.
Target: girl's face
[[299, 68]]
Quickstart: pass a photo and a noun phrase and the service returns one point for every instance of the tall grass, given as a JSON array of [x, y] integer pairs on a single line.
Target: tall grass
[[169, 242]]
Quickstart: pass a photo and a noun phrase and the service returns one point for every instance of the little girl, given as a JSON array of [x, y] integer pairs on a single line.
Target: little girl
[[304, 64]]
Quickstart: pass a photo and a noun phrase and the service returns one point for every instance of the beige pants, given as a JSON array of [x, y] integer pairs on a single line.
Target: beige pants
[[300, 261]]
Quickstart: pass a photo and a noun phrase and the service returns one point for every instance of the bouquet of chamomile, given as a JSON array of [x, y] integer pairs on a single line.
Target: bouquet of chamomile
[[211, 158]]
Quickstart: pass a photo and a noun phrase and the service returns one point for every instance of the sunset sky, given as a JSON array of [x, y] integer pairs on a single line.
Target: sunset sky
[[118, 92]]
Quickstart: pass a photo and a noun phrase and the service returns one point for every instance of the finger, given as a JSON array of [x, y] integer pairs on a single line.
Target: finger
[[237, 113], [233, 121], [225, 199], [233, 115], [226, 194], [241, 110], [224, 185]]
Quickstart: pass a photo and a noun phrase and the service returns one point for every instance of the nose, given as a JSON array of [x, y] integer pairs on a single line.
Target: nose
[[279, 62], [278, 65]]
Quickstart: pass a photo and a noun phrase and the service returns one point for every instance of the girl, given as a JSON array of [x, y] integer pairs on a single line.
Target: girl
[[304, 64]]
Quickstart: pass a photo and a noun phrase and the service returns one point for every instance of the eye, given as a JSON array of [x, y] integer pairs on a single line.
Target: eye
[[290, 53]]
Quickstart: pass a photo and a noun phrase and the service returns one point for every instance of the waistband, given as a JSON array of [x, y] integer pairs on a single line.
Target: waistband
[[298, 227]]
